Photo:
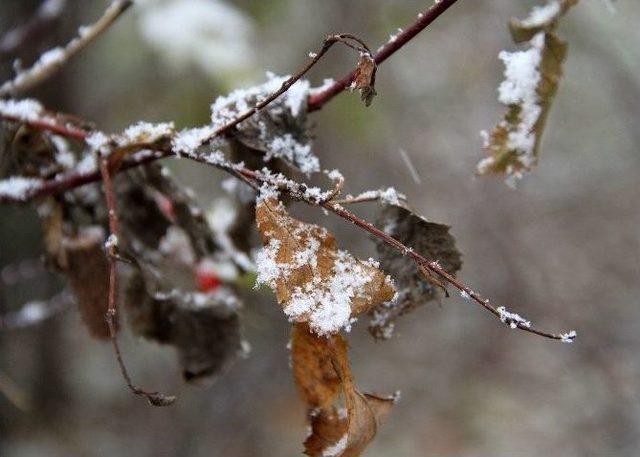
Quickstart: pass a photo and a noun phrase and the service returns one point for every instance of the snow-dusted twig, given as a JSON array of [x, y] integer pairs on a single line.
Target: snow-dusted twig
[[36, 311], [435, 268], [344, 38], [54, 59], [309, 195]]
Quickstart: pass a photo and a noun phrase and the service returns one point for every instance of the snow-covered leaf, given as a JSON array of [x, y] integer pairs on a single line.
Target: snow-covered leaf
[[314, 281], [203, 327], [531, 81], [415, 287], [280, 130]]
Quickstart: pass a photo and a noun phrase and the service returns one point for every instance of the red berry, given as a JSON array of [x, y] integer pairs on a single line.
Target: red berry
[[207, 280]]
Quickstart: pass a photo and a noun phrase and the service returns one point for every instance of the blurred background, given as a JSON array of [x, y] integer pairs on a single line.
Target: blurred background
[[563, 249]]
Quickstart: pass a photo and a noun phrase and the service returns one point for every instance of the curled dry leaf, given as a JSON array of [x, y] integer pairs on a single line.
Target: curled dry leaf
[[203, 327], [321, 370], [81, 258], [415, 286], [365, 78], [532, 78], [313, 280], [87, 271]]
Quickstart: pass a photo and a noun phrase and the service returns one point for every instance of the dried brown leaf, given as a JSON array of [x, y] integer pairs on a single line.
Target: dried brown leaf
[[321, 369], [415, 288], [314, 281], [313, 369], [365, 78], [204, 328]]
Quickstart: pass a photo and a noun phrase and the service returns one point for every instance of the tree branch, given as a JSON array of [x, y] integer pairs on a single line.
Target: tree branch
[[318, 100], [51, 61]]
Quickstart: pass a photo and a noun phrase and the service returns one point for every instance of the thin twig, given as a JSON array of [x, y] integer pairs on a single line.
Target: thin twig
[[50, 125], [318, 100], [36, 311], [154, 398], [51, 61]]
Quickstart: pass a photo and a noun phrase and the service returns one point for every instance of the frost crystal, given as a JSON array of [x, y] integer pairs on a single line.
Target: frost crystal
[[280, 130], [111, 242], [98, 142], [145, 132], [541, 15], [189, 140], [568, 337], [513, 320]]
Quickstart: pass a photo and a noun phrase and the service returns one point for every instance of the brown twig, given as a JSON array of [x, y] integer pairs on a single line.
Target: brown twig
[[47, 65], [318, 100], [154, 398], [50, 125]]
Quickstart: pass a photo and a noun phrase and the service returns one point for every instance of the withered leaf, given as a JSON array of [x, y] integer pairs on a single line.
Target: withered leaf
[[81, 258], [415, 288], [204, 328], [314, 281], [87, 270], [312, 366], [322, 372], [532, 78], [279, 131], [365, 78]]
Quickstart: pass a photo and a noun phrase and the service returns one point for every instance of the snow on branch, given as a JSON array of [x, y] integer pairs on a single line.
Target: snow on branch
[[54, 59]]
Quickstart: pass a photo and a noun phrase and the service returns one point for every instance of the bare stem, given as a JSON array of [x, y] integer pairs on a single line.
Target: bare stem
[[154, 398]]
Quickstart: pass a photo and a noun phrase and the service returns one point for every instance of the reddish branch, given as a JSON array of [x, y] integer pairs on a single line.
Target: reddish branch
[[318, 100], [154, 398]]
